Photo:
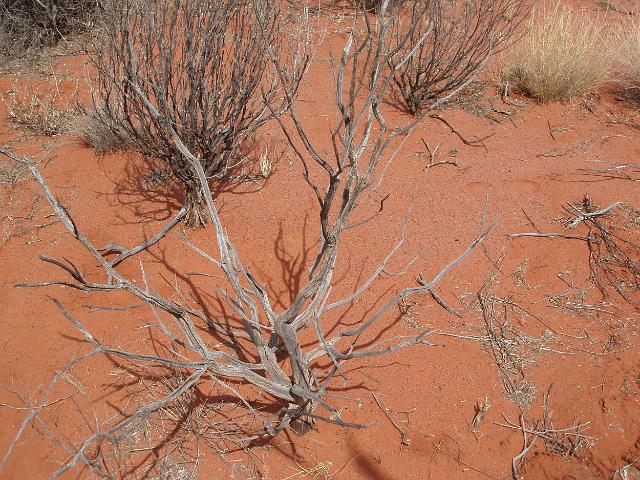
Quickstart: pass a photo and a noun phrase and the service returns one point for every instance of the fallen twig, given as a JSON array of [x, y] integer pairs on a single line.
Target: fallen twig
[[553, 235], [479, 142], [526, 446], [432, 157], [405, 438]]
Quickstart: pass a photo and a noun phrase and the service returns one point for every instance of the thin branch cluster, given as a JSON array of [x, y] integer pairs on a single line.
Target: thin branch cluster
[[452, 41], [203, 68]]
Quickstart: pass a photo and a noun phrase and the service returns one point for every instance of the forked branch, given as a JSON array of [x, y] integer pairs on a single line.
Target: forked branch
[[264, 346]]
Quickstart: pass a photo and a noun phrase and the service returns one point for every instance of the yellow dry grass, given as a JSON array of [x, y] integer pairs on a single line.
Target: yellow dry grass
[[564, 54]]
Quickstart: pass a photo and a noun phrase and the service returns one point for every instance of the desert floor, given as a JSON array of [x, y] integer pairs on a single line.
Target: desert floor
[[541, 338]]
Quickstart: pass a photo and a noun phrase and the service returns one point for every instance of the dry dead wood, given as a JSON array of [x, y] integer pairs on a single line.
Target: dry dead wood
[[614, 253], [563, 441], [450, 43], [263, 345]]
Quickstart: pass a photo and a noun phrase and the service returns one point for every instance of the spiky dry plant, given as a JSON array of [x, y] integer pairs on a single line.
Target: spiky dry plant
[[564, 54]]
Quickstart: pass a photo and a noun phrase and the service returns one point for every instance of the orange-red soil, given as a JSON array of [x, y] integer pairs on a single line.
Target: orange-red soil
[[531, 166]]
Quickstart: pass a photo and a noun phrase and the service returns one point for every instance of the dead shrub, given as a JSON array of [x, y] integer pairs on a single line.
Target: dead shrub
[[278, 360], [200, 67], [452, 42], [28, 24], [564, 54]]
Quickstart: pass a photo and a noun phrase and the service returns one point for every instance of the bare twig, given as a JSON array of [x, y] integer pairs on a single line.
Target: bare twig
[[478, 142], [405, 439]]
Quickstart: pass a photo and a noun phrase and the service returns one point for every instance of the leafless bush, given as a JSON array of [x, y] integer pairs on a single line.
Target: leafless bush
[[25, 24], [200, 67], [164, 445], [563, 55], [452, 43], [11, 173], [290, 357]]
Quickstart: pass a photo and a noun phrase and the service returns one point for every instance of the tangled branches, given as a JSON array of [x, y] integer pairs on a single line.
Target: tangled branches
[[452, 42], [201, 67], [33, 23], [290, 356]]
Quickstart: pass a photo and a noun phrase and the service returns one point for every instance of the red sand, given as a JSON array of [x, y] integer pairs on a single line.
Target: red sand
[[522, 168]]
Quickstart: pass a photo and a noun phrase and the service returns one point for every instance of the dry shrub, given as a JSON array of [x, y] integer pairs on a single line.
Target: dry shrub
[[27, 24], [563, 55], [369, 5], [512, 350], [451, 42], [201, 66], [278, 366]]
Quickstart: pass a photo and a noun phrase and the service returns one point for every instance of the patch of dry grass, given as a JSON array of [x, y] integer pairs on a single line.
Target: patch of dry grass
[[39, 113], [11, 173], [98, 131], [564, 54], [628, 41]]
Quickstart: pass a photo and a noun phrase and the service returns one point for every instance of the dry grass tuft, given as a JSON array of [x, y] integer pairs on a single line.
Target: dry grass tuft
[[97, 130], [628, 41], [39, 113], [11, 173], [564, 54]]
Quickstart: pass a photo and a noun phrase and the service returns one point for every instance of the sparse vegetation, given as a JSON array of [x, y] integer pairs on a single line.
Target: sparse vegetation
[[266, 348], [564, 54], [97, 130], [191, 354], [41, 113], [628, 41]]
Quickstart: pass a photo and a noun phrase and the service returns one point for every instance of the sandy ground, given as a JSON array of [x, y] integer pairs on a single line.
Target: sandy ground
[[571, 345]]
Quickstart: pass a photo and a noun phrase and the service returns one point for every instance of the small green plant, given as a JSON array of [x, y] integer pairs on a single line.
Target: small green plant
[[564, 54]]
